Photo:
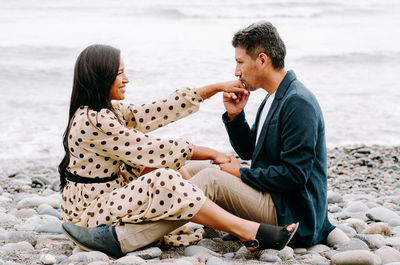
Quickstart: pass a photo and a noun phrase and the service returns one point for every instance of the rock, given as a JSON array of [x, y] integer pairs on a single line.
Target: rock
[[23, 213], [48, 259], [98, 263], [380, 228], [51, 227], [300, 251], [355, 209], [129, 260], [18, 236], [314, 259], [8, 219], [356, 257], [354, 244], [357, 224], [381, 214], [319, 248], [286, 253], [267, 257], [220, 246], [20, 246], [337, 237], [334, 197], [86, 257], [148, 253], [50, 211], [193, 250], [31, 202], [388, 254], [393, 241], [394, 222], [373, 241], [216, 261], [348, 230]]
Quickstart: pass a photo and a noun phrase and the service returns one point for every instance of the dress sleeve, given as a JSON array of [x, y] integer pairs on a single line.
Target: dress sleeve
[[132, 146], [149, 117]]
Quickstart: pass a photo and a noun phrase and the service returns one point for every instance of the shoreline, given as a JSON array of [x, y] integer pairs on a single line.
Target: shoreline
[[363, 202]]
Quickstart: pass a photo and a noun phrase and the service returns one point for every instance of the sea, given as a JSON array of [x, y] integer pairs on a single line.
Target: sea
[[347, 52]]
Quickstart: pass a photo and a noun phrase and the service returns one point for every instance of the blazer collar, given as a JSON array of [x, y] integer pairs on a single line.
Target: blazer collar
[[284, 85], [280, 93]]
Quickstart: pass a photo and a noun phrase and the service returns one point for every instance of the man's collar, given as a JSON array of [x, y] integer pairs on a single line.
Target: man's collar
[[283, 86]]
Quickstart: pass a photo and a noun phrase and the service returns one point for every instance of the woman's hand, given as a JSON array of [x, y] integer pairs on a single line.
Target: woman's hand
[[221, 158], [234, 87]]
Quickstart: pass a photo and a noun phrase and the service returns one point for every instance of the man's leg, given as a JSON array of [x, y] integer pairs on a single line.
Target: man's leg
[[235, 196], [135, 236]]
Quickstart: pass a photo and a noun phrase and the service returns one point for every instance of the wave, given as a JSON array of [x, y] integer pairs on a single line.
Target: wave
[[354, 57]]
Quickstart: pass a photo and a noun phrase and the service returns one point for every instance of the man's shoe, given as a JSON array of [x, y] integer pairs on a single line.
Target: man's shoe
[[100, 238]]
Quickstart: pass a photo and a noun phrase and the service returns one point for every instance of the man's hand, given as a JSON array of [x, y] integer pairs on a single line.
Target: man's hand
[[232, 167], [234, 103]]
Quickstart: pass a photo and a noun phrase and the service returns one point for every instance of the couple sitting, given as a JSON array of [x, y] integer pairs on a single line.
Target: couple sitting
[[123, 189]]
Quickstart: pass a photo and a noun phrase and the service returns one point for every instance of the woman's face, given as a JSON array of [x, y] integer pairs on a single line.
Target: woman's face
[[117, 90]]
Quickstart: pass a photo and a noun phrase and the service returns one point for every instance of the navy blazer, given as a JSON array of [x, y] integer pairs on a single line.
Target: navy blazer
[[289, 160]]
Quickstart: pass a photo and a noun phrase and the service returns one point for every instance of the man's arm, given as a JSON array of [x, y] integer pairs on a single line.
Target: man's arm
[[299, 138], [241, 137]]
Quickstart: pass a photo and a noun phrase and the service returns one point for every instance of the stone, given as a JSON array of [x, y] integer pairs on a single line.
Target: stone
[[354, 209], [356, 257], [8, 219], [388, 254], [98, 263], [381, 214], [267, 257], [20, 246], [216, 261], [48, 259], [129, 260], [348, 230], [393, 241], [373, 241], [193, 250], [50, 227], [50, 211], [357, 224], [337, 237], [394, 222], [314, 259], [319, 248], [334, 197], [87, 257], [31, 202], [23, 213], [300, 251], [353, 244], [148, 253], [18, 236], [379, 228]]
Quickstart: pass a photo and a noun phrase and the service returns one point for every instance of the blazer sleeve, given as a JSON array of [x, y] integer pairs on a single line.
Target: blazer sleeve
[[241, 137], [299, 136]]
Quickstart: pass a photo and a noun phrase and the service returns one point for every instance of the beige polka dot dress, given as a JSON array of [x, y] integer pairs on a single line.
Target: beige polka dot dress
[[101, 146]]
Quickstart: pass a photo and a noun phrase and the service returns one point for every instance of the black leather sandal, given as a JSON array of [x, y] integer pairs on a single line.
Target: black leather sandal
[[271, 237]]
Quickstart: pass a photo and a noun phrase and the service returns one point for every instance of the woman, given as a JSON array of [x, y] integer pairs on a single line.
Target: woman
[[114, 172]]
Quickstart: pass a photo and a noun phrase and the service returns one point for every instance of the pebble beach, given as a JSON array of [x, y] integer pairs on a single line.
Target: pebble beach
[[364, 205]]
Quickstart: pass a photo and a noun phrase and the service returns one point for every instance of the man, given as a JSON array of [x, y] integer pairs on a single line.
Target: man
[[286, 144], [287, 180]]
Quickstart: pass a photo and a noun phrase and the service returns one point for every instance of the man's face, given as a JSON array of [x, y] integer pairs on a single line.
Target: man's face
[[246, 69]]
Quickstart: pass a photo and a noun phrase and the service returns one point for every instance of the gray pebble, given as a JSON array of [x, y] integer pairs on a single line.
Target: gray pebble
[[216, 261], [356, 257], [354, 244], [148, 253], [388, 254], [373, 241], [381, 214], [267, 257], [193, 250], [51, 227]]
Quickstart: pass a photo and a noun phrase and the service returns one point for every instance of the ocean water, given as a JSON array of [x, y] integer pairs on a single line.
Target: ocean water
[[346, 52]]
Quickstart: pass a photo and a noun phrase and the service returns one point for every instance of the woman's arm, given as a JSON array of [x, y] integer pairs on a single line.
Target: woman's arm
[[206, 153], [208, 91]]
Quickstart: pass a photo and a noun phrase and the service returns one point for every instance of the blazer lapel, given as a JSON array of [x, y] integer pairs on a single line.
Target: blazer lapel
[[264, 129], [279, 94]]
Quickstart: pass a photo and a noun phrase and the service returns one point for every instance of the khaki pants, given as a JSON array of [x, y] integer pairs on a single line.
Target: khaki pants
[[229, 192]]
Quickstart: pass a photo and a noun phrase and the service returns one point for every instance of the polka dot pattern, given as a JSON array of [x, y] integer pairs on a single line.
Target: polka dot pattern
[[100, 146]]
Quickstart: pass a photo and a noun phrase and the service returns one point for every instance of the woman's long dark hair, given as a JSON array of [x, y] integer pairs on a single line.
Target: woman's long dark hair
[[95, 71]]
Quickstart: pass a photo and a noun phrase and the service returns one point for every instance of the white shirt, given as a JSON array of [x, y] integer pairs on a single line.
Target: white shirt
[[264, 114]]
